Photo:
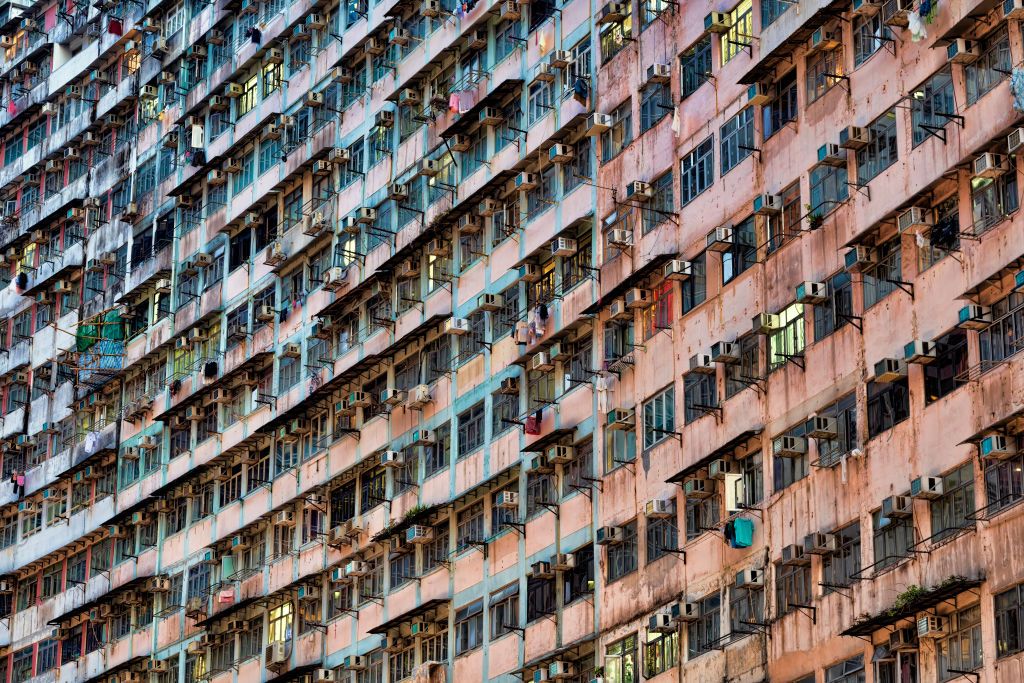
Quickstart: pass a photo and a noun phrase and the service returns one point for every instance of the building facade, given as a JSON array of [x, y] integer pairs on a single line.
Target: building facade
[[511, 341]]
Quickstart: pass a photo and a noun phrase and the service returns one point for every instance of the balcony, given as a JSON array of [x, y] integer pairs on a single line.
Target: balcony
[[57, 537], [72, 257]]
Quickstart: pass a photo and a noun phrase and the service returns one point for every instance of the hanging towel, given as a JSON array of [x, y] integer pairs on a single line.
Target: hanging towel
[[581, 92], [730, 534], [467, 98], [917, 30], [532, 426], [453, 103], [677, 125], [115, 27], [12, 108], [1017, 88], [743, 532], [256, 35]]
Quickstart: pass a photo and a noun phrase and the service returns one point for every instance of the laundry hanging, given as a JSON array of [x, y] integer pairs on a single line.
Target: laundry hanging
[[1017, 88]]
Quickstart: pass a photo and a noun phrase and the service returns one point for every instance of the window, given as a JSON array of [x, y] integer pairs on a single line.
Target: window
[[620, 661], [622, 557], [824, 70], [249, 97], [880, 152], [620, 448], [839, 568], [469, 626], [850, 671], [473, 343], [651, 10], [740, 33], [746, 609], [931, 105], [828, 188], [961, 650], [701, 515], [504, 610], [1009, 621], [869, 35], [1001, 339], [992, 200], [620, 134], [662, 536], [539, 102], [659, 315], [471, 429], [792, 587], [540, 598], [470, 526], [789, 340], [616, 35], [655, 103], [883, 277], [659, 417], [737, 139], [837, 309], [660, 207], [695, 67], [661, 653], [830, 451], [783, 108], [697, 171], [694, 288], [789, 470], [742, 253], [943, 237], [952, 510], [992, 68], [436, 552], [700, 396], [893, 538], [888, 405], [948, 372], [703, 634]]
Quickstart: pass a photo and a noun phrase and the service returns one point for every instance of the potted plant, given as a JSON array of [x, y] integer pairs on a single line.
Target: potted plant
[[814, 219]]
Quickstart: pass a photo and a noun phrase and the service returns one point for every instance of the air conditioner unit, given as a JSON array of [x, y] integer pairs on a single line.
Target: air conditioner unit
[[678, 270], [598, 123], [822, 427], [431, 8], [158, 584], [698, 487], [859, 257], [765, 323], [384, 119], [854, 137], [530, 272], [914, 220], [820, 544], [890, 370], [824, 39], [811, 293], [539, 464], [974, 317], [424, 437], [865, 8], [919, 352], [541, 362], [659, 73], [685, 612], [284, 518], [334, 278], [510, 10], [717, 22], [831, 154], [560, 454], [613, 13], [564, 247], [526, 181], [932, 626], [490, 302], [620, 419], [702, 363], [750, 578], [419, 396], [456, 326], [928, 488], [560, 153], [507, 500], [392, 397], [470, 224], [609, 535], [903, 640], [354, 663], [990, 165], [720, 239], [897, 507], [392, 459], [998, 447], [788, 446], [717, 469], [962, 51], [149, 92], [636, 297], [793, 555], [356, 569], [760, 94], [660, 508], [419, 534], [563, 562]]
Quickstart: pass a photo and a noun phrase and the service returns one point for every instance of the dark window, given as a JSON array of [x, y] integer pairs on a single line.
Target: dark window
[[695, 67], [739, 376], [662, 536], [948, 372], [700, 395], [703, 634], [540, 598], [992, 68], [695, 287], [932, 106], [1001, 339], [888, 405], [951, 510], [893, 538], [1009, 621], [697, 171], [579, 580], [622, 557], [837, 310], [743, 252], [792, 587], [783, 108], [881, 151], [830, 451], [838, 569], [828, 188]]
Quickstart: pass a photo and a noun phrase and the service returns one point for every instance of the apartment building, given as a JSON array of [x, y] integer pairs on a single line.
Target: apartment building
[[511, 341]]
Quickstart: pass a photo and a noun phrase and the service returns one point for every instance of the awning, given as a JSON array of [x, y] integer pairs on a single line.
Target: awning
[[765, 64], [109, 673], [228, 611], [1012, 424], [465, 121], [726, 449], [551, 656], [930, 598], [296, 674], [424, 515], [492, 482], [964, 27], [631, 280], [101, 600], [557, 436], [408, 615], [993, 281]]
